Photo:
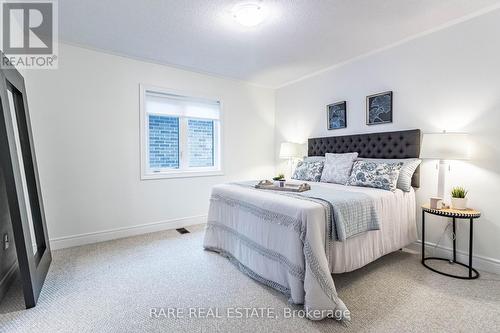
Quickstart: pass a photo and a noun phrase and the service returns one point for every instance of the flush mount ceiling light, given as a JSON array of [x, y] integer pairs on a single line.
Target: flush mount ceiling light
[[249, 14]]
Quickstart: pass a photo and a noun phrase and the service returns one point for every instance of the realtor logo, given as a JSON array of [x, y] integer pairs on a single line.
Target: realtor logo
[[29, 34]]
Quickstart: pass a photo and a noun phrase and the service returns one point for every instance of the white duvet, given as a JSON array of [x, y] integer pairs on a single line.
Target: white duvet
[[282, 241]]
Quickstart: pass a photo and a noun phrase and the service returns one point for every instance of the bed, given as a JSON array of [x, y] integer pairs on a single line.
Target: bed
[[293, 242]]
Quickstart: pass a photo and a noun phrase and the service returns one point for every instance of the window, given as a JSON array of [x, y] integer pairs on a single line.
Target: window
[[180, 135]]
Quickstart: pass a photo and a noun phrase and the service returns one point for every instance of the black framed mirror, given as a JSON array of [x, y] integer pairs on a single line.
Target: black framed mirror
[[22, 185]]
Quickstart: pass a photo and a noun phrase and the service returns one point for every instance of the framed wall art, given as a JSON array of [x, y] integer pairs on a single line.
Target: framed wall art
[[379, 108], [337, 115]]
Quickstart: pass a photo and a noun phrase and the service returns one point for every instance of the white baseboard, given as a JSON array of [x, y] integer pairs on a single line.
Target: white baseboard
[[105, 235], [481, 263]]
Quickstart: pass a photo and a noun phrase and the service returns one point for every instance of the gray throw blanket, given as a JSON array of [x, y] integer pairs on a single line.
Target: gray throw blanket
[[349, 213]]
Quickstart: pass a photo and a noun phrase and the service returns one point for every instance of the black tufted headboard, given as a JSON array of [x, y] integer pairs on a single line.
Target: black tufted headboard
[[401, 144]]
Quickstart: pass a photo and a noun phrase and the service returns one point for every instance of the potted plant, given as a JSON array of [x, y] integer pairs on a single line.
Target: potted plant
[[459, 198], [280, 179]]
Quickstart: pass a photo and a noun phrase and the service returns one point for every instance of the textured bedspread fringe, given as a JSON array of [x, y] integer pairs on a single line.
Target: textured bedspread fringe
[[285, 220], [244, 269], [324, 280], [264, 214], [293, 269]]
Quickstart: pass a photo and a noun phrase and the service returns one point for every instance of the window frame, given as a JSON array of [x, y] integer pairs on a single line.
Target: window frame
[[184, 171]]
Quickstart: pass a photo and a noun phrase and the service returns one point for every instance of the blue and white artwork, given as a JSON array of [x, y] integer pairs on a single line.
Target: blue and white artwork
[[337, 117], [379, 108]]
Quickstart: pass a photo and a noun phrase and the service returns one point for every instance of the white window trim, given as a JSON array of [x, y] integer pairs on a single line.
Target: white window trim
[[218, 170]]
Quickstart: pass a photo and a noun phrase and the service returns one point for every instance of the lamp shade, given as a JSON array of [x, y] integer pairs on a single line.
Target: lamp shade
[[289, 150], [445, 146]]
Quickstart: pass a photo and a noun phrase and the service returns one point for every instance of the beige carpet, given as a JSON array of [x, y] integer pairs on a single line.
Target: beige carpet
[[111, 287]]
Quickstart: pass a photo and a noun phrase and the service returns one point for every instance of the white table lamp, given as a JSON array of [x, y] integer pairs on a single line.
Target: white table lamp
[[289, 150], [444, 147]]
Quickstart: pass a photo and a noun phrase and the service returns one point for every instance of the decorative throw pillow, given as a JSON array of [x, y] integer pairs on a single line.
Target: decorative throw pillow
[[406, 172], [338, 167], [373, 174], [314, 159], [309, 171]]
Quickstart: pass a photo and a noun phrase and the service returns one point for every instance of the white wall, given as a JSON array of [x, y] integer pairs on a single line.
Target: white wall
[[449, 79], [85, 119]]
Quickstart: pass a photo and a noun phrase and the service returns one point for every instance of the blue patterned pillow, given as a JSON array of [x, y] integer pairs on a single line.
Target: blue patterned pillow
[[309, 171], [373, 174], [406, 172]]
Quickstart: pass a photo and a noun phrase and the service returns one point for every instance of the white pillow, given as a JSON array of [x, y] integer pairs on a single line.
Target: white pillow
[[405, 173], [314, 159], [338, 167]]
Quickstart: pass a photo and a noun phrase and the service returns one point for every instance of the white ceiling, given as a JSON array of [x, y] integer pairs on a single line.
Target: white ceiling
[[298, 38]]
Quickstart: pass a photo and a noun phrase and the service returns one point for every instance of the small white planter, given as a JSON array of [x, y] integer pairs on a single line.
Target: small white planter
[[459, 203], [279, 183]]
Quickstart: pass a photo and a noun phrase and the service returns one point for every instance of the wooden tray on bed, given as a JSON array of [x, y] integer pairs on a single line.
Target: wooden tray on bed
[[268, 185]]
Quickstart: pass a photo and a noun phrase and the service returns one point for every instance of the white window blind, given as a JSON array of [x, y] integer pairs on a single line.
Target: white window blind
[[180, 106], [180, 135]]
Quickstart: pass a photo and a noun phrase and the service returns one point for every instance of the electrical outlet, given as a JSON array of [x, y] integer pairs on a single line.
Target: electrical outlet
[[6, 242]]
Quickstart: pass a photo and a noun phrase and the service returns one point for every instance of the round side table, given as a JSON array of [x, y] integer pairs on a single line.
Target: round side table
[[455, 214]]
